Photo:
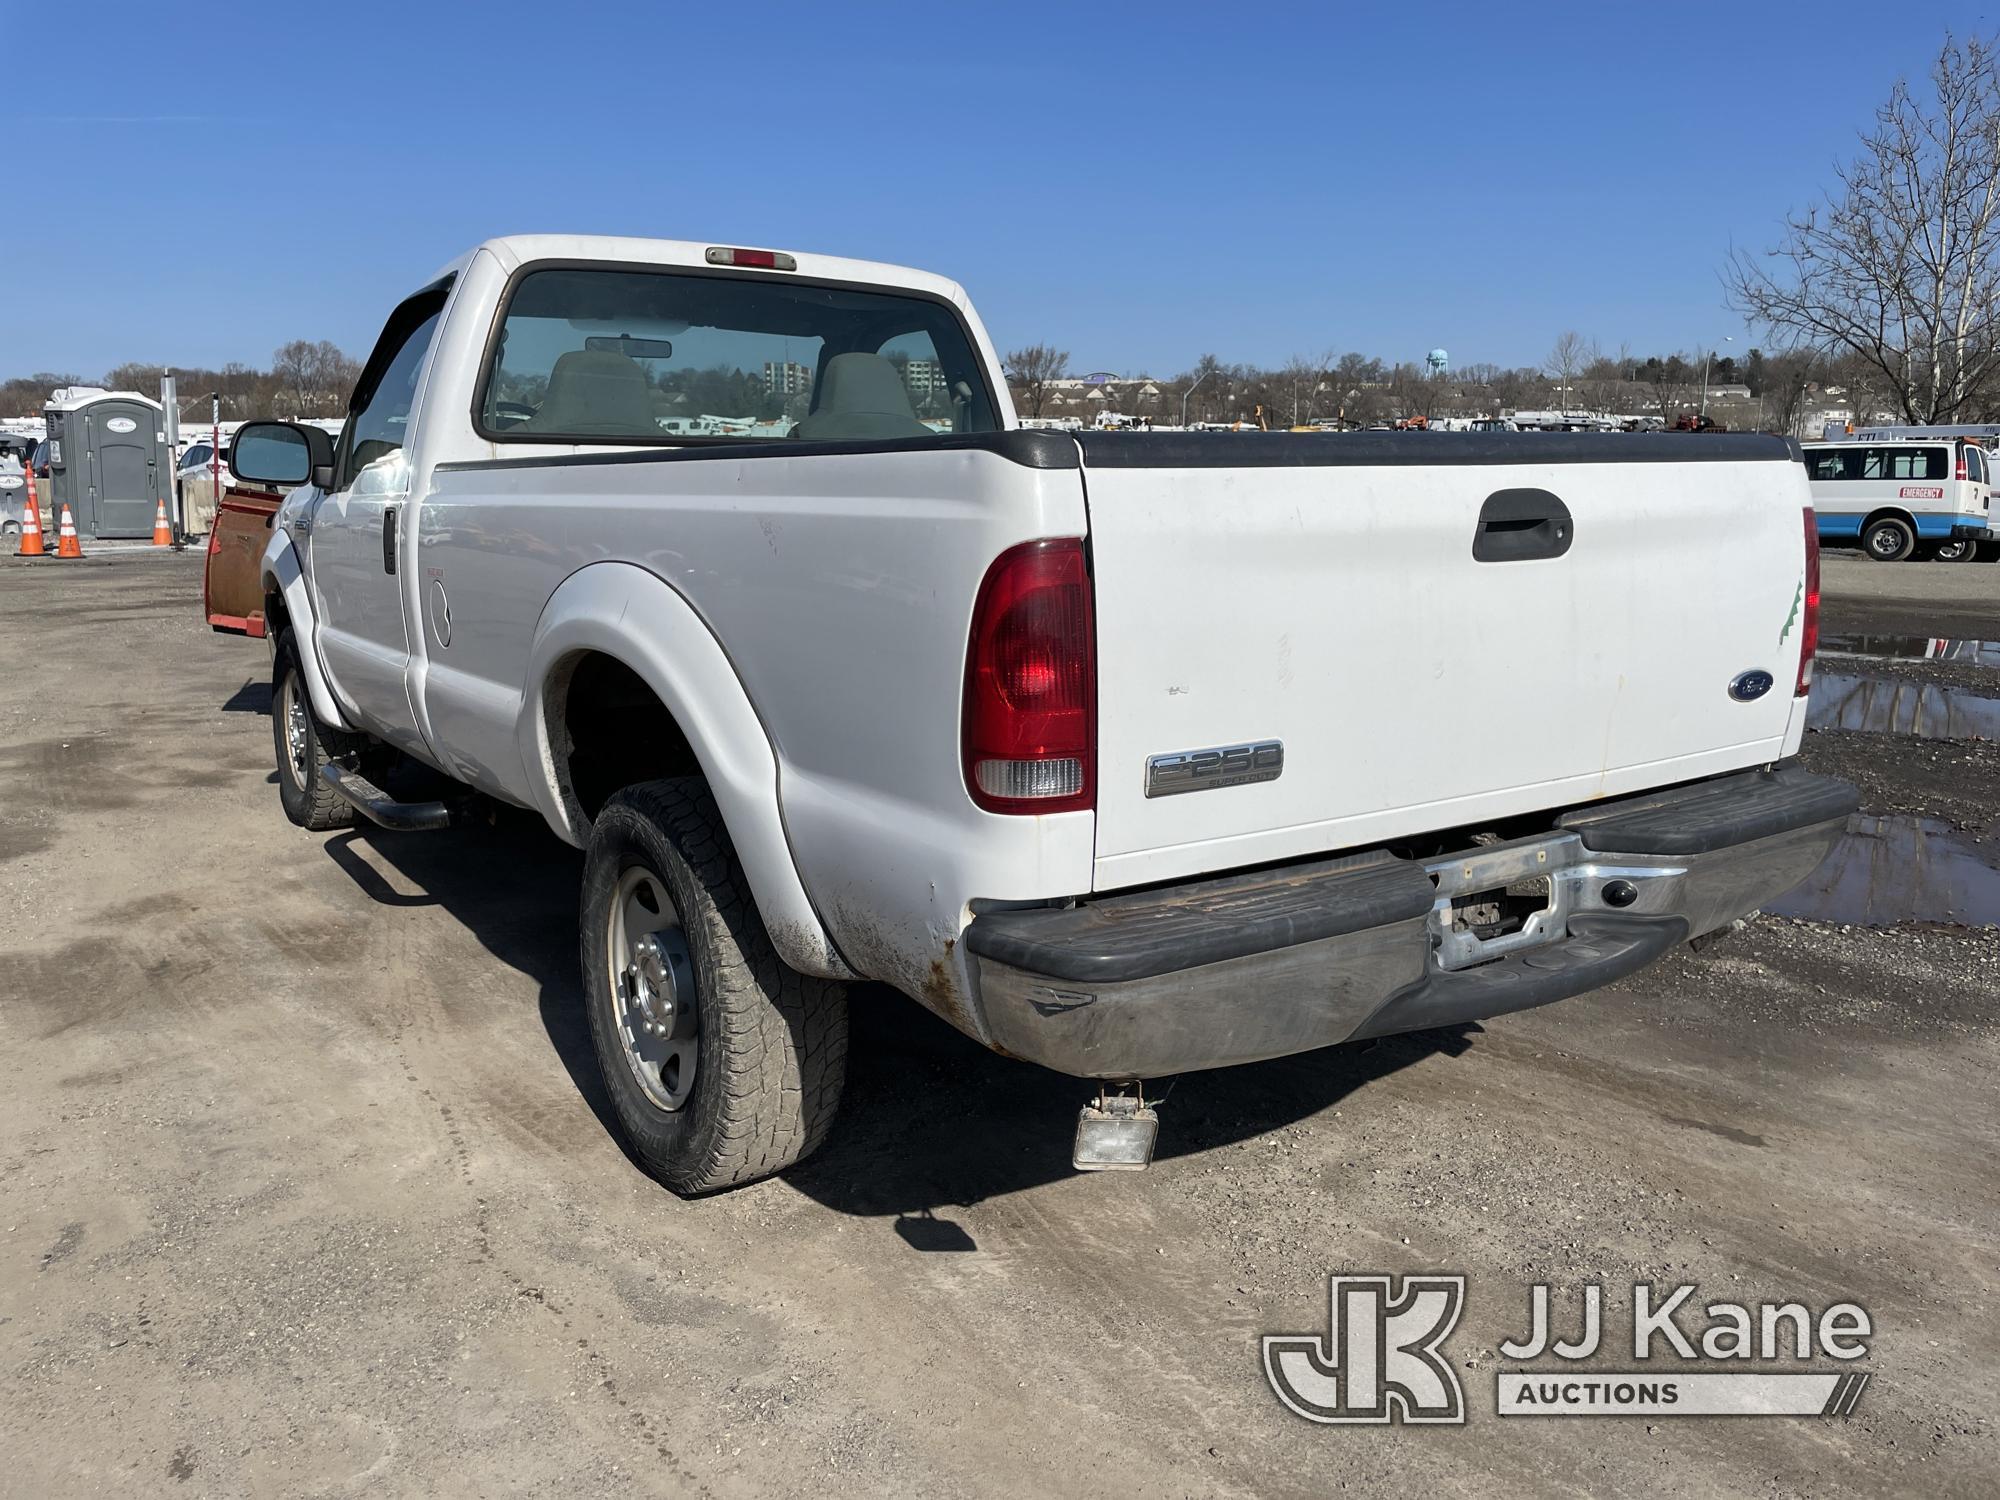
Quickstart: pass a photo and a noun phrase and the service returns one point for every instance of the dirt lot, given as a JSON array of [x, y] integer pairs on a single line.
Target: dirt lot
[[306, 1184]]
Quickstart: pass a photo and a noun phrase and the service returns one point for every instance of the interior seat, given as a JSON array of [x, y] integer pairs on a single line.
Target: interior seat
[[858, 397], [596, 392]]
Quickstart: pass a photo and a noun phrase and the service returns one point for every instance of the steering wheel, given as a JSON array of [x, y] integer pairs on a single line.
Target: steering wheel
[[516, 412]]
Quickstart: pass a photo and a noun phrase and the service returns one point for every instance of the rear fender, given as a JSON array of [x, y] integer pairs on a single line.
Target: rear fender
[[631, 615], [281, 575]]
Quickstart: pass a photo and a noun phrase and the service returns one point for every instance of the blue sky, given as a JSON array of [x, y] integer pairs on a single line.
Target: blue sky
[[1136, 184]]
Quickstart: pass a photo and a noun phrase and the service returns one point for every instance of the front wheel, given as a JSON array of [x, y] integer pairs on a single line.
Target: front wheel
[[723, 1064], [300, 741], [303, 744], [1888, 540], [1958, 549]]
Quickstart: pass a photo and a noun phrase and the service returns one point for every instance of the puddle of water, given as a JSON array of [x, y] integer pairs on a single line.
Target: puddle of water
[[1893, 705], [1912, 648], [1887, 870]]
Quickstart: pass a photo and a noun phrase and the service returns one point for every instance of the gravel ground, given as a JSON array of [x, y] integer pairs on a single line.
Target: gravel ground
[[306, 1184]]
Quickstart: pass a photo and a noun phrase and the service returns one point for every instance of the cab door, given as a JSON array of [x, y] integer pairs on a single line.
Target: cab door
[[363, 636]]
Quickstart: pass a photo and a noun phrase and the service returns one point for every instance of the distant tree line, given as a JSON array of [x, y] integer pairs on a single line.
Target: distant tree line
[[1359, 389], [305, 379]]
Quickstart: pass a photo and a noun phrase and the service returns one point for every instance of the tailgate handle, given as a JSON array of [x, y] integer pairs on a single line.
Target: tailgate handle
[[1520, 526]]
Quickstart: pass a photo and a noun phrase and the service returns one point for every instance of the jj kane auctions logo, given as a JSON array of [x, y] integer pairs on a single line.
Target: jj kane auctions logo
[[1382, 1358]]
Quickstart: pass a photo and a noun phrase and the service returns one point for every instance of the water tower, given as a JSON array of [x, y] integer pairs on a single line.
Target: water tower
[[1438, 362]]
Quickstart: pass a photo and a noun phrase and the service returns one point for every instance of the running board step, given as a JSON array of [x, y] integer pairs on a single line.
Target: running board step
[[378, 807]]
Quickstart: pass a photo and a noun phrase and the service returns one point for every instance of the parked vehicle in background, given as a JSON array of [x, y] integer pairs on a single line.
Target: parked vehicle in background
[[13, 497], [195, 478], [1902, 499], [1066, 736]]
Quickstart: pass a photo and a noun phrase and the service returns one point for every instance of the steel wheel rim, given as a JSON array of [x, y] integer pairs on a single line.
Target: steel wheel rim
[[292, 715], [651, 989], [1887, 542]]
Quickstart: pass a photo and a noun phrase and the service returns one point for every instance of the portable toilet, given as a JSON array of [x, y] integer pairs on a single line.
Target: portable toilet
[[108, 460]]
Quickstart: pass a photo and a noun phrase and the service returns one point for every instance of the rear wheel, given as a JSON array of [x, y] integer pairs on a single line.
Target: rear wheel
[[723, 1064], [1888, 539], [1958, 549]]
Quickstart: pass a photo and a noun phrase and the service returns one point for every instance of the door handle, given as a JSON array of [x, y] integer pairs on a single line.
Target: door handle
[[389, 539], [1520, 526]]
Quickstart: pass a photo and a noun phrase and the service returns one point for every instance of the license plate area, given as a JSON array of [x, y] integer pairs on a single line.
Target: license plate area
[[1500, 900]]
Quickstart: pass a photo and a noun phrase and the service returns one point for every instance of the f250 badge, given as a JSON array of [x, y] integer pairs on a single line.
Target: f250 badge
[[1209, 770]]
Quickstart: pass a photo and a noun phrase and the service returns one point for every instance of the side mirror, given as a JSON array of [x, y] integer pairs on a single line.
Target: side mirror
[[278, 452]]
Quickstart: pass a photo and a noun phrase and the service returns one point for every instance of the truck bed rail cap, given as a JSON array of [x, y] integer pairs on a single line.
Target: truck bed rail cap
[[1032, 449], [1271, 450]]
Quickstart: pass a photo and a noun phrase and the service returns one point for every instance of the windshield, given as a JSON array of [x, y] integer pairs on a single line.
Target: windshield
[[597, 356]]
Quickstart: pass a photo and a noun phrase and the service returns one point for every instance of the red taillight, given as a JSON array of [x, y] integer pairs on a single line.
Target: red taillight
[[762, 260], [1961, 464], [1809, 626], [1029, 725]]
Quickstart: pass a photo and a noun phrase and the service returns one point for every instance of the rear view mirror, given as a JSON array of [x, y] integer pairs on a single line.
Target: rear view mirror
[[278, 452], [629, 347]]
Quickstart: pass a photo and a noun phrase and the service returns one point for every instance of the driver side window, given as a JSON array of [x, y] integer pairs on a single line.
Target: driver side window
[[378, 418]]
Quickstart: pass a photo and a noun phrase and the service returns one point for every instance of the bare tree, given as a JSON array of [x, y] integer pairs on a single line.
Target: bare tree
[[1417, 390], [1786, 379], [1299, 384], [1671, 381], [1900, 266], [1571, 355], [313, 379], [1033, 369]]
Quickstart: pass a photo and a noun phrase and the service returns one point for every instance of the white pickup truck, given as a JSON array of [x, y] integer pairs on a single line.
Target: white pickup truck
[[1128, 754]]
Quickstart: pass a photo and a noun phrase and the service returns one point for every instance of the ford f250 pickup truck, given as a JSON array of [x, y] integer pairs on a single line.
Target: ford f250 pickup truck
[[1129, 754]]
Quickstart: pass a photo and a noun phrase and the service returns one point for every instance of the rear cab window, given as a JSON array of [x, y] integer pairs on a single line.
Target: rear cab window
[[668, 356]]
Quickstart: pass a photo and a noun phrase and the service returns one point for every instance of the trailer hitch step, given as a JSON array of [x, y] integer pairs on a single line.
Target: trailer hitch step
[[378, 807]]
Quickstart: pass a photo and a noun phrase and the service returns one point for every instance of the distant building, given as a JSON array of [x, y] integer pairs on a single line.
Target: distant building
[[923, 376], [788, 378]]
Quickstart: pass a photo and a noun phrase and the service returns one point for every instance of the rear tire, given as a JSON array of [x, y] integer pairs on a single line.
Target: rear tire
[[737, 1073], [302, 745], [1958, 549], [1888, 540]]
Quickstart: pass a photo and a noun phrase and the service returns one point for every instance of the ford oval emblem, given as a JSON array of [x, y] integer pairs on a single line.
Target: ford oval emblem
[[1749, 686]]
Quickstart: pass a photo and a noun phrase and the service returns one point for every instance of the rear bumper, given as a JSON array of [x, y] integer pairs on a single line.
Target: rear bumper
[[1978, 531], [1211, 973]]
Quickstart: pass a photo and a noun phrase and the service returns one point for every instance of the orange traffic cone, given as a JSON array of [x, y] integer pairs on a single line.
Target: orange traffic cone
[[66, 543], [163, 534], [31, 525]]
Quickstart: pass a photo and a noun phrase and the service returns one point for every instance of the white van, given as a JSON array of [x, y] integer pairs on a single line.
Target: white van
[[1902, 498]]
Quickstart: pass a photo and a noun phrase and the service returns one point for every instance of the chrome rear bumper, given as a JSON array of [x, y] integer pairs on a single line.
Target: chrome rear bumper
[[1281, 961]]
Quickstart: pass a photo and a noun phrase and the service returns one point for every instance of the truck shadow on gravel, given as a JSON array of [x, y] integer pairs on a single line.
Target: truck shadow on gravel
[[930, 1120]]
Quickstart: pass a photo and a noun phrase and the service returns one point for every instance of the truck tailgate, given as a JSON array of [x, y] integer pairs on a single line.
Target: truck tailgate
[[1438, 629]]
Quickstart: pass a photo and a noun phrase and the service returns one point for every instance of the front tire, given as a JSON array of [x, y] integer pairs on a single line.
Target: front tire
[[1958, 549], [1888, 540], [723, 1064], [303, 745]]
